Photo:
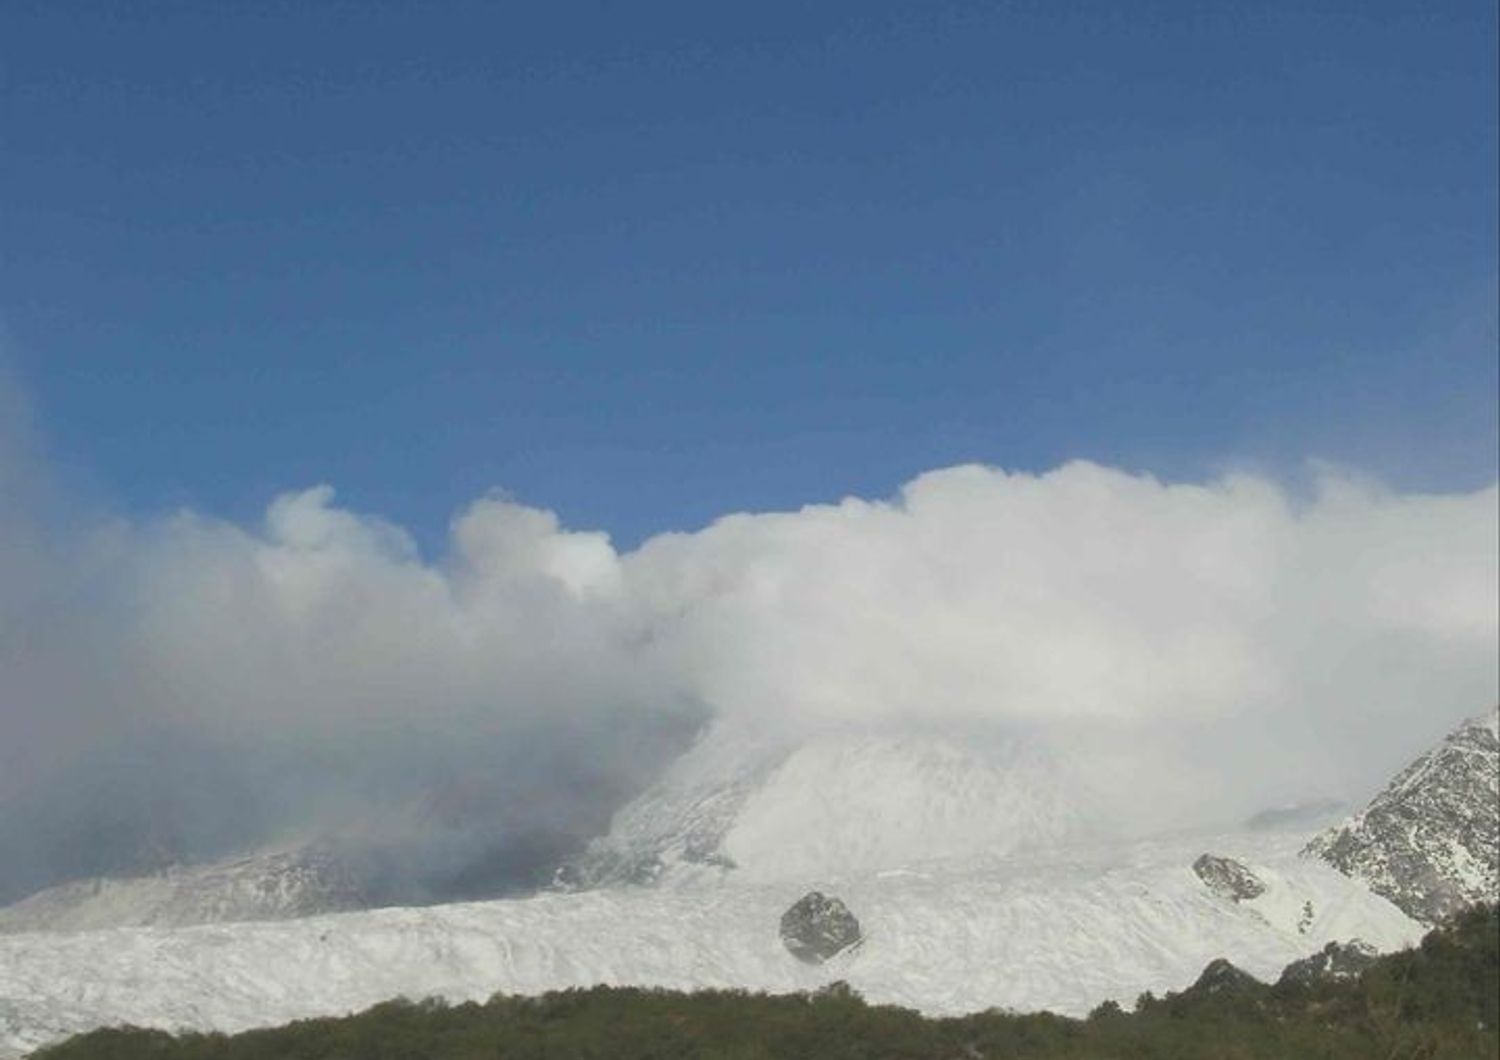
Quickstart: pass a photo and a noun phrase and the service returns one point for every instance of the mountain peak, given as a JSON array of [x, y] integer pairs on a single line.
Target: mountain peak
[[1430, 842]]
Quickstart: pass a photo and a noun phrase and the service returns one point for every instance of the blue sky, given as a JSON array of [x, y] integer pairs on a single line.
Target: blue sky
[[648, 264]]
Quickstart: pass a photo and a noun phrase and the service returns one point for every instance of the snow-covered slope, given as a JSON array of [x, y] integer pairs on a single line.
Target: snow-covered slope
[[270, 885], [975, 864], [1061, 928], [1430, 842], [840, 801]]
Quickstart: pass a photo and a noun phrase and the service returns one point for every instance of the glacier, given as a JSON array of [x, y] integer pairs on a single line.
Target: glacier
[[1061, 928]]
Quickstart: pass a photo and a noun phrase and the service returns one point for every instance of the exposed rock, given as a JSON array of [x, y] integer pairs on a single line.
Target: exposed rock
[[1228, 878], [818, 926], [1220, 977], [1430, 842], [1337, 960]]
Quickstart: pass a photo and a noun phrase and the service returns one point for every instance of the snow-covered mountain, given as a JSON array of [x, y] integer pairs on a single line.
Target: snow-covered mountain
[[268, 885], [837, 802], [1061, 928], [1430, 842], [979, 868]]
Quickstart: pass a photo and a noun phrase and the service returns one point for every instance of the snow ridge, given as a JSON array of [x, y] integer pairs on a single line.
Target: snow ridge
[[838, 802], [270, 885]]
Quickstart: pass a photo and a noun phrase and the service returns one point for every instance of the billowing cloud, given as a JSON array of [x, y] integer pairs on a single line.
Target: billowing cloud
[[1208, 645], [205, 685], [1083, 593]]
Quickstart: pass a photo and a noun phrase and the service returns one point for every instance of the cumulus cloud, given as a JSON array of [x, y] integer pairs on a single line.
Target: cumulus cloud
[[1207, 645], [1083, 593], [209, 686]]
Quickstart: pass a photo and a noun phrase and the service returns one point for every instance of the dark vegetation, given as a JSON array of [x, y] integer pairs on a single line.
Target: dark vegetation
[[1439, 1000]]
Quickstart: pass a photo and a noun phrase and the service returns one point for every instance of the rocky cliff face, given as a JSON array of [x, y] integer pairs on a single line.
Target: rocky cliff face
[[1430, 842]]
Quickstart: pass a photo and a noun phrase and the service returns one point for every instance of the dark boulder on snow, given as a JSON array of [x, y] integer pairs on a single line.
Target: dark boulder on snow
[[1228, 878], [818, 926]]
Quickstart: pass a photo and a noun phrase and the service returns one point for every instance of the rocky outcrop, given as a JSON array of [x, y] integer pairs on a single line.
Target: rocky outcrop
[[1430, 842], [817, 927], [1222, 977], [1337, 960], [1229, 879]]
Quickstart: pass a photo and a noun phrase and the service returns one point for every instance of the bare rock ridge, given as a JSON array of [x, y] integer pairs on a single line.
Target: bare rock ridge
[[1430, 842], [818, 927], [1228, 878]]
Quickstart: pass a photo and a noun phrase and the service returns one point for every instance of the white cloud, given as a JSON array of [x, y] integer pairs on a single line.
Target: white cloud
[[1223, 639], [1082, 593]]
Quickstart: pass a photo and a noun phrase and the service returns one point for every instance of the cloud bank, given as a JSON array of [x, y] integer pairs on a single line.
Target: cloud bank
[[193, 686]]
